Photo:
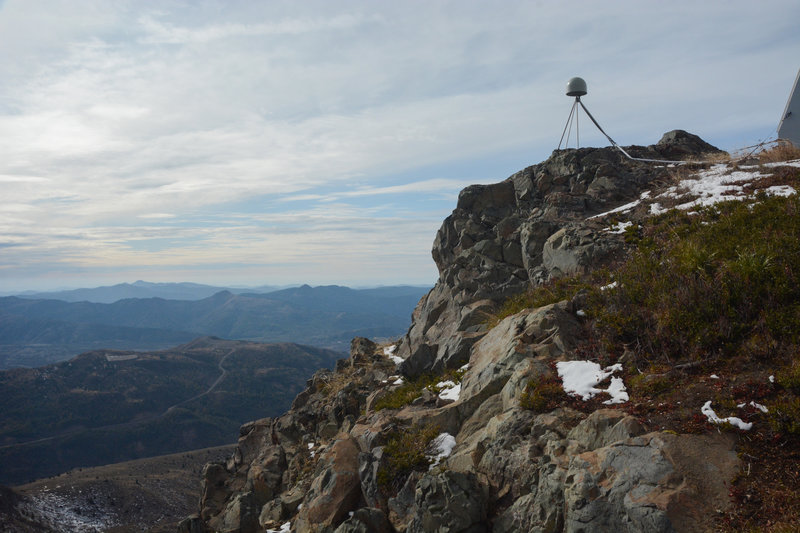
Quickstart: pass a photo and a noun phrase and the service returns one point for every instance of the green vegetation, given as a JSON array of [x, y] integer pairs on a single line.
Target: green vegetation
[[714, 284], [541, 295], [405, 452], [411, 390], [542, 396]]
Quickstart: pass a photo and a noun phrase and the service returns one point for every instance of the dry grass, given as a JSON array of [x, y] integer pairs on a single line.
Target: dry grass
[[783, 151], [338, 380]]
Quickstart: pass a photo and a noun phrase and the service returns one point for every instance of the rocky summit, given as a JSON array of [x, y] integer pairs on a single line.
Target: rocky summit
[[442, 433]]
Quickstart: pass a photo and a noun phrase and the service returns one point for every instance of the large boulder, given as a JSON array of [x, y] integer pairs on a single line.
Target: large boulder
[[336, 489]]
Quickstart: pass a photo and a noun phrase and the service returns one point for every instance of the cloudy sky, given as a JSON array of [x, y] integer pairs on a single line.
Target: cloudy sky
[[277, 142]]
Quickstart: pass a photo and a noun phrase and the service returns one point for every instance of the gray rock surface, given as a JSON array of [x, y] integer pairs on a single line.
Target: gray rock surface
[[451, 501]]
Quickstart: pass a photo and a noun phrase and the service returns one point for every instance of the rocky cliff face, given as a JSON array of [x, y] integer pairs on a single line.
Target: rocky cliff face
[[529, 228], [345, 459]]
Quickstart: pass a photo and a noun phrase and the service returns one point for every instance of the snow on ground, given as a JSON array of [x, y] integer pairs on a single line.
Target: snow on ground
[[442, 446], [449, 390], [626, 207], [285, 528], [706, 187], [612, 285], [388, 351], [762, 408], [732, 420], [620, 227], [580, 378]]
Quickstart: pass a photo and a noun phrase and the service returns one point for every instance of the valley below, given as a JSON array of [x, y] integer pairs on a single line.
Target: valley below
[[109, 406]]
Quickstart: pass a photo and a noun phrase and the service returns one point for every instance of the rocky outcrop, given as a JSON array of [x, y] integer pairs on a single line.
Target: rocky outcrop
[[336, 463], [532, 227]]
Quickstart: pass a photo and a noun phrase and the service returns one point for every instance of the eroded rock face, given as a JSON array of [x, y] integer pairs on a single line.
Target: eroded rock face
[[323, 465]]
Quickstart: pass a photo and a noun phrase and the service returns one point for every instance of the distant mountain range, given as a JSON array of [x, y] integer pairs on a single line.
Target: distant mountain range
[[35, 331], [142, 289]]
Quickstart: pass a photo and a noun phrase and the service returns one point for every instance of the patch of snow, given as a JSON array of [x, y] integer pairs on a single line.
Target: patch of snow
[[398, 381], [626, 207], [451, 390], [310, 445], [762, 408], [617, 391], [388, 351], [464, 367], [580, 378], [793, 163], [620, 228], [580, 313], [656, 209], [732, 420], [772, 379], [612, 285], [285, 528], [441, 447], [714, 376], [780, 190]]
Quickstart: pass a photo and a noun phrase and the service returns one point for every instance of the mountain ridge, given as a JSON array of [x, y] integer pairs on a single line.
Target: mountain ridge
[[325, 316]]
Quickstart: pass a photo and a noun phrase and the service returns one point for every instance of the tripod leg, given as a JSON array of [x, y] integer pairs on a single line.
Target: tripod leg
[[568, 124]]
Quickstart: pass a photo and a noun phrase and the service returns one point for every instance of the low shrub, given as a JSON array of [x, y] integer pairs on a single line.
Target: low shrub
[[409, 391], [404, 453], [545, 294], [700, 286], [543, 396]]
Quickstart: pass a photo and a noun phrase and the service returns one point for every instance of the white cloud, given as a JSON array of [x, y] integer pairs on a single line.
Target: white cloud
[[120, 114]]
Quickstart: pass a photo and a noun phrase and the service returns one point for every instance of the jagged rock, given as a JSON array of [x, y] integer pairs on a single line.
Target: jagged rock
[[336, 489], [366, 520], [451, 501], [240, 515], [361, 351], [402, 506], [214, 493], [368, 465], [265, 475]]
